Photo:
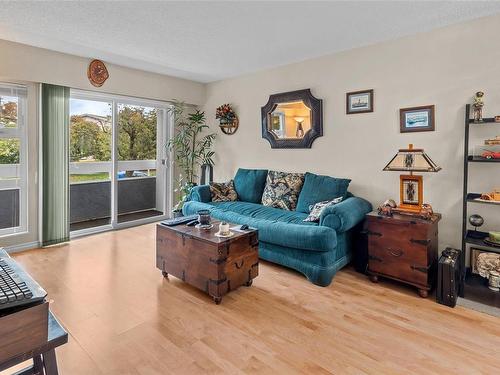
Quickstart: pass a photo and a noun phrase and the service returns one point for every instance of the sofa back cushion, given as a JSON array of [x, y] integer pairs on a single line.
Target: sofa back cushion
[[249, 184], [282, 190], [319, 188], [223, 191]]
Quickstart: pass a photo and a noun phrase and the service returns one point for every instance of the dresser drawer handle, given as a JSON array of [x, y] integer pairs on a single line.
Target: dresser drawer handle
[[395, 253], [425, 242], [420, 269], [241, 264]]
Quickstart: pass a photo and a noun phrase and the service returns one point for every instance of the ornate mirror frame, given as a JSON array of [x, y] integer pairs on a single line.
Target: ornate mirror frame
[[316, 106]]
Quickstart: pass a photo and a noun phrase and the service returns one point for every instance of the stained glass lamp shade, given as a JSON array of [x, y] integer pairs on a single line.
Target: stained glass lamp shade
[[411, 186]]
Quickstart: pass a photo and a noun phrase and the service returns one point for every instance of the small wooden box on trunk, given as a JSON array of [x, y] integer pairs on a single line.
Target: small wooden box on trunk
[[212, 264]]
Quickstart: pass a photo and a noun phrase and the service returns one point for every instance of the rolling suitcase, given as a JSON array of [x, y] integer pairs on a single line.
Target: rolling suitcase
[[449, 274]]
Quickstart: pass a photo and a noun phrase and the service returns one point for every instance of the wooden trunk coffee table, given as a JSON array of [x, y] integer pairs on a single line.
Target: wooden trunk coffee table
[[213, 264]]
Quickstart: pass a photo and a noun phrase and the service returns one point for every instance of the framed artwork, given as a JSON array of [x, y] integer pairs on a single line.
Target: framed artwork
[[417, 119], [359, 102], [411, 192]]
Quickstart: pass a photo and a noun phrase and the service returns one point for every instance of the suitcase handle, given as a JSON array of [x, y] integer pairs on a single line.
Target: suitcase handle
[[241, 264], [395, 253]]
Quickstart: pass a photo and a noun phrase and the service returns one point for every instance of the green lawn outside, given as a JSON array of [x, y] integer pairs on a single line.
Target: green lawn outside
[[89, 177]]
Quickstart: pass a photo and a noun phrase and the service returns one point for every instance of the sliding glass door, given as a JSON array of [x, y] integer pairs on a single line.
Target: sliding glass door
[[139, 159], [117, 168], [90, 168]]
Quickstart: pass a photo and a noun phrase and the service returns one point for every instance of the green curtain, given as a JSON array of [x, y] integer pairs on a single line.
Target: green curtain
[[55, 150]]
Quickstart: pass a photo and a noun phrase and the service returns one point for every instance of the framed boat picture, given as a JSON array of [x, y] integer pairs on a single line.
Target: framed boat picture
[[359, 102], [416, 119]]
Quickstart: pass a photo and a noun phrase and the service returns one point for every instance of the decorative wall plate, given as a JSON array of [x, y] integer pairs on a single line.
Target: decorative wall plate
[[97, 73]]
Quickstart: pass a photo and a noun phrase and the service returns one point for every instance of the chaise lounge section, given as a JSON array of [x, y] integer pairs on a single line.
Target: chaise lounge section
[[316, 249]]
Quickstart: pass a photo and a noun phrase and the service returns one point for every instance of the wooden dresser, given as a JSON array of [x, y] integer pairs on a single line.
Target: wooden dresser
[[403, 248]]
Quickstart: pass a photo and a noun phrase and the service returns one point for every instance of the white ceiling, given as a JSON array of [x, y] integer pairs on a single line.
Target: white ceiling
[[209, 41]]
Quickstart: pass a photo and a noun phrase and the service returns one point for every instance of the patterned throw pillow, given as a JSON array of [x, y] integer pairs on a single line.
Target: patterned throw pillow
[[318, 208], [282, 190], [223, 191]]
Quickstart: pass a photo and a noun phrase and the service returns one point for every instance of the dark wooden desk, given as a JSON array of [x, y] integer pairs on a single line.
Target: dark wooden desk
[[44, 356]]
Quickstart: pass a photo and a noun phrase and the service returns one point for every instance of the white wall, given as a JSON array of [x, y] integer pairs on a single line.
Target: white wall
[[25, 63], [29, 65], [443, 67]]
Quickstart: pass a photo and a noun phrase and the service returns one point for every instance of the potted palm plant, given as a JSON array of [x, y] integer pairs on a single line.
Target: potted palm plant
[[191, 148]]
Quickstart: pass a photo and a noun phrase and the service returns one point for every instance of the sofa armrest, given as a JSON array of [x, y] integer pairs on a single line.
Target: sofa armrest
[[346, 214], [200, 193]]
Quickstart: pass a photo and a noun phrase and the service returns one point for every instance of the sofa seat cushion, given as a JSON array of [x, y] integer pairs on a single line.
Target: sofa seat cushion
[[259, 211], [287, 234], [319, 188]]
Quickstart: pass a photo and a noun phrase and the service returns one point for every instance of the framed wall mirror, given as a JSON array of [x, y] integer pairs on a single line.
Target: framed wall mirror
[[292, 119]]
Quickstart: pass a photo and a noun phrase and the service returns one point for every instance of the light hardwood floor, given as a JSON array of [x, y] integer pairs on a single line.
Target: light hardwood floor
[[124, 318]]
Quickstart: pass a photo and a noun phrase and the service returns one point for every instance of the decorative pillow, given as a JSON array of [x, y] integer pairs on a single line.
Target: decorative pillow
[[317, 209], [282, 190], [223, 191], [319, 188], [249, 184]]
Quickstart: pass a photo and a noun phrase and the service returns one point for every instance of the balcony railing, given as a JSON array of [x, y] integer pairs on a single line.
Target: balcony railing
[[90, 199], [92, 167]]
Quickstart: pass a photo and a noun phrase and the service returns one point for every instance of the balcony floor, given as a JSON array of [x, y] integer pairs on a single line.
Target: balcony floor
[[121, 219]]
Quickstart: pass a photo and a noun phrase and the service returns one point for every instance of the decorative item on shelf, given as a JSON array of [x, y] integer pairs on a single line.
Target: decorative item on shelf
[[359, 102], [497, 119], [493, 141], [411, 186], [485, 262], [476, 221], [228, 121], [416, 119], [97, 73], [299, 133], [494, 281], [493, 239], [493, 196], [477, 107], [488, 151]]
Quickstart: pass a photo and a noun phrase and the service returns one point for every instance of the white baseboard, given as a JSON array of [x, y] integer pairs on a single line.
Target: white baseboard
[[21, 247]]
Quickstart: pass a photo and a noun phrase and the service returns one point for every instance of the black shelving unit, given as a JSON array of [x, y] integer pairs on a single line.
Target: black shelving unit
[[474, 287]]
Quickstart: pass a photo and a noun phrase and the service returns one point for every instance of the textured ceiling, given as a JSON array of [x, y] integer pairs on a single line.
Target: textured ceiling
[[208, 41]]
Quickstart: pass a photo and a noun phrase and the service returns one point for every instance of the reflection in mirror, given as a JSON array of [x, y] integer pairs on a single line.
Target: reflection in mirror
[[291, 120]]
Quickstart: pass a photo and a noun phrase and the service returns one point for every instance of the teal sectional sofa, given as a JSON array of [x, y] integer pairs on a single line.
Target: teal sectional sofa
[[316, 249]]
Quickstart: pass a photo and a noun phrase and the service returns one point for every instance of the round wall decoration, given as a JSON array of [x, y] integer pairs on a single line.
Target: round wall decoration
[[228, 121], [97, 73]]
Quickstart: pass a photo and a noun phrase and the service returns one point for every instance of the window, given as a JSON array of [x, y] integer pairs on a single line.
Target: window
[[13, 159]]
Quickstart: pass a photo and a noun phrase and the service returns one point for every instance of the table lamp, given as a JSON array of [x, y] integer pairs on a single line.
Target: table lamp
[[299, 133], [411, 189]]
